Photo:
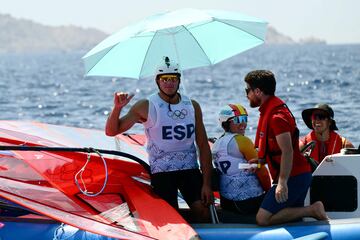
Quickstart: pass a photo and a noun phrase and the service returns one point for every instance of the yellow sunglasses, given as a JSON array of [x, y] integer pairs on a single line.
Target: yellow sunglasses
[[168, 78]]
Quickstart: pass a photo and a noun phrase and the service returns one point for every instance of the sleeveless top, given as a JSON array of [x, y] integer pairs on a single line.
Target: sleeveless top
[[235, 184], [170, 135]]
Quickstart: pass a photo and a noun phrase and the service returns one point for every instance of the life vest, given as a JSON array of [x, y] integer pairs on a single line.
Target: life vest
[[333, 145], [268, 148]]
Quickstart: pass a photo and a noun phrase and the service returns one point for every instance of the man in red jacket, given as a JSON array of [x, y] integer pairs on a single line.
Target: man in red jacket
[[277, 140]]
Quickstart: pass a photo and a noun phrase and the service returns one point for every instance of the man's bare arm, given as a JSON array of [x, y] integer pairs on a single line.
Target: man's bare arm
[[137, 113], [285, 144], [204, 154]]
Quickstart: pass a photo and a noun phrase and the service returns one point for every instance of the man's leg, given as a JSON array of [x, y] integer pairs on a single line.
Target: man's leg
[[200, 212], [190, 184], [315, 210], [164, 185], [272, 212]]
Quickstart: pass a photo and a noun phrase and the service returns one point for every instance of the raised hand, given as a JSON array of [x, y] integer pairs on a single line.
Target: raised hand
[[121, 99]]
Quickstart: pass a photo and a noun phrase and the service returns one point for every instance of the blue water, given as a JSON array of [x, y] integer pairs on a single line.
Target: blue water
[[51, 88]]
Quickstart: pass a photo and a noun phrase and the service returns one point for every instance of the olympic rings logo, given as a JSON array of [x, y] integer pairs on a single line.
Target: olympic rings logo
[[177, 114]]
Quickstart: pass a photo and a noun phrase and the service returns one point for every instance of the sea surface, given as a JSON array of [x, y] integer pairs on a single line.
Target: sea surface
[[51, 88]]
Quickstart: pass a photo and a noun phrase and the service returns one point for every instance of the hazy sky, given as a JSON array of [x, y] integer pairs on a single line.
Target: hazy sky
[[336, 21]]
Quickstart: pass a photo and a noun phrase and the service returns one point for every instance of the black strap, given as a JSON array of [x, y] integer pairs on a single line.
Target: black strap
[[170, 96], [132, 138]]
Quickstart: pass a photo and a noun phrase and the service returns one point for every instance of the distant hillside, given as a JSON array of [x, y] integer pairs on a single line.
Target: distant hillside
[[18, 35], [21, 36], [274, 37]]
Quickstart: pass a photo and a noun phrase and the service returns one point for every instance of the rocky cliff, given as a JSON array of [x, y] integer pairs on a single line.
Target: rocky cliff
[[25, 36]]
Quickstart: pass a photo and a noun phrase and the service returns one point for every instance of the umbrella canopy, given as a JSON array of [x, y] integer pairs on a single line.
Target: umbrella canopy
[[191, 37]]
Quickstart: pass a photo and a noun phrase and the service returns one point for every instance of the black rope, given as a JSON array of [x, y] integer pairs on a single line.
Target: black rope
[[84, 150], [132, 138]]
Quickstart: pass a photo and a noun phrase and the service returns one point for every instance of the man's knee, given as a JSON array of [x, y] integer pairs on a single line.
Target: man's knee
[[262, 221], [263, 218]]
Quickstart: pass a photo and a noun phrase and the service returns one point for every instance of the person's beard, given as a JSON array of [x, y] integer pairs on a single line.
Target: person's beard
[[255, 102]]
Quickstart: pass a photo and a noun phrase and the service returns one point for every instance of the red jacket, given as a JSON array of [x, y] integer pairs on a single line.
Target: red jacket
[[276, 118], [333, 145]]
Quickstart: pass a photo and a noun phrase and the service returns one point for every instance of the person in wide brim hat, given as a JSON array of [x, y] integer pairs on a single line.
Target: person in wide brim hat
[[326, 141], [326, 109]]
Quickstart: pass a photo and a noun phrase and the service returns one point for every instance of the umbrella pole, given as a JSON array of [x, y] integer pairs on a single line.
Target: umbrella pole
[[182, 82], [182, 87]]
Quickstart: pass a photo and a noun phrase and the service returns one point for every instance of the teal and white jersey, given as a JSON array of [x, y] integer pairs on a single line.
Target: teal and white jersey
[[235, 184], [171, 135]]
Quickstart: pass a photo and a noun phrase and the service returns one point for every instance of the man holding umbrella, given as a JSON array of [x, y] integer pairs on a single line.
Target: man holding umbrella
[[173, 124]]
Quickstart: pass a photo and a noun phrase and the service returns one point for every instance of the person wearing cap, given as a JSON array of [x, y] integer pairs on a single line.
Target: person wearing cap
[[321, 120], [241, 190], [277, 140], [173, 124]]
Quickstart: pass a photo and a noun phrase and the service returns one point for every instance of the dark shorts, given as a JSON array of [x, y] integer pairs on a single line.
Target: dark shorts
[[247, 206], [167, 184], [297, 190]]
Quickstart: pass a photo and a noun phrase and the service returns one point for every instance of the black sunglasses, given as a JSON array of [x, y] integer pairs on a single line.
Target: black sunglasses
[[319, 116], [247, 90]]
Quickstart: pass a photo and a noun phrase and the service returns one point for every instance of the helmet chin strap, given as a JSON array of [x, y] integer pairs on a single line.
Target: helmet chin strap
[[170, 96]]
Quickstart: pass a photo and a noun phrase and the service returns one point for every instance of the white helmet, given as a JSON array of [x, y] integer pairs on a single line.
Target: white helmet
[[168, 67], [230, 111]]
